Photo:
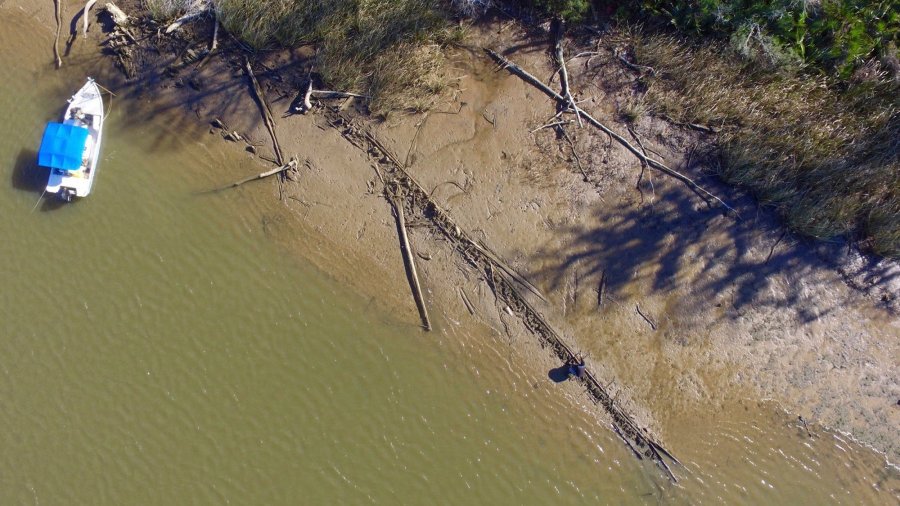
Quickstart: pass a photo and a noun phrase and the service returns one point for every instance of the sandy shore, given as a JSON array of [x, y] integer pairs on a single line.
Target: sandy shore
[[698, 308]]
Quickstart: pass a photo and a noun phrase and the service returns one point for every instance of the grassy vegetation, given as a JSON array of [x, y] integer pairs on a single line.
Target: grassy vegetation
[[828, 157], [386, 49]]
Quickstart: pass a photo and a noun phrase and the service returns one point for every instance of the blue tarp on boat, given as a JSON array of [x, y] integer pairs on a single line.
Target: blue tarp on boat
[[62, 146]]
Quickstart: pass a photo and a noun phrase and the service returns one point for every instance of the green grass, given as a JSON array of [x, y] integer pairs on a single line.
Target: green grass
[[825, 154]]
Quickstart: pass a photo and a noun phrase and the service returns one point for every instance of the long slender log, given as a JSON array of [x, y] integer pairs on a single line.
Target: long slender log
[[410, 263], [656, 164], [509, 270], [56, 41], [564, 73], [215, 41], [262, 175], [335, 94], [118, 15], [178, 23], [466, 301], [627, 442], [266, 111], [663, 451], [85, 13]]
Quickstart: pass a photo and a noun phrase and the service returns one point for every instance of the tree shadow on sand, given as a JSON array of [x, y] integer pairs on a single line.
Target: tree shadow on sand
[[677, 244], [177, 81]]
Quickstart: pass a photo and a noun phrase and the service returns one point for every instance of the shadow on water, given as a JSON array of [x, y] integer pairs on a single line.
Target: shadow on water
[[559, 374], [27, 175], [52, 203]]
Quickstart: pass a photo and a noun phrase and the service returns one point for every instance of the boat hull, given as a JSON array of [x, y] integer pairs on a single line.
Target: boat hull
[[86, 110]]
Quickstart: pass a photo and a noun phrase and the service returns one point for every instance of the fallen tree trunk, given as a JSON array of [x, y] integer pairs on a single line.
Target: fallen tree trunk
[[84, 15], [410, 263], [656, 164], [266, 111], [215, 41], [262, 175], [56, 41], [509, 270], [335, 94], [184, 19], [563, 72], [117, 15]]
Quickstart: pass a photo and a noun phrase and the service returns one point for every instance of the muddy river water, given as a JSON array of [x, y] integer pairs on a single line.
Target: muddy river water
[[159, 347]]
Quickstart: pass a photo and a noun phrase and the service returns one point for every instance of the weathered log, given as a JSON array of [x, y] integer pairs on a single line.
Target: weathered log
[[303, 102], [601, 287], [466, 301], [178, 23], [509, 270], [215, 41], [410, 263], [85, 13], [56, 41], [335, 94], [266, 111], [307, 104], [656, 164], [262, 175], [118, 16], [636, 67], [563, 72]]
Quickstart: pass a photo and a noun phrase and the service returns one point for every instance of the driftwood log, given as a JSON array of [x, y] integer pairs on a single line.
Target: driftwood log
[[187, 18], [85, 15], [292, 165], [118, 16], [409, 262], [215, 41], [565, 89], [303, 102], [264, 108], [58, 59]]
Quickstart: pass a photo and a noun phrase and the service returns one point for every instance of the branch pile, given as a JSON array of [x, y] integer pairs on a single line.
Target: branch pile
[[402, 188]]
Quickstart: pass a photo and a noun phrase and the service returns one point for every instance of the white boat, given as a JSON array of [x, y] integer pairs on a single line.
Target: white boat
[[71, 148]]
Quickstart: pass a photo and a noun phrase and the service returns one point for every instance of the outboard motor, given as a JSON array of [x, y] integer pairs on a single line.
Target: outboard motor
[[67, 194]]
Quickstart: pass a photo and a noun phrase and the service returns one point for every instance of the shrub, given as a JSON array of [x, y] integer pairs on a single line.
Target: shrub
[[570, 10], [836, 35]]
